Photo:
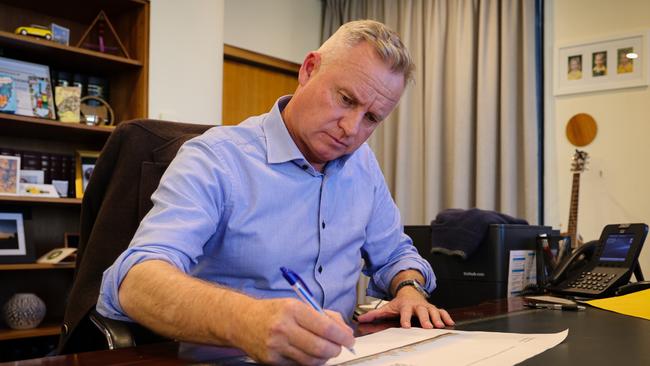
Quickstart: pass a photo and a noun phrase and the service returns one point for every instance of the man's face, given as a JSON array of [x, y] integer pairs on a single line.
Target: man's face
[[600, 59], [339, 104]]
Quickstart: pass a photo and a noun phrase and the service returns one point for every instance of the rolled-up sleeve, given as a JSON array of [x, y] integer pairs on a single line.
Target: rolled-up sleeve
[[188, 204], [388, 250]]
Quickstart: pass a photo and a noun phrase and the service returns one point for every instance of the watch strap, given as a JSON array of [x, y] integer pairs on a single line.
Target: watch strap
[[415, 284]]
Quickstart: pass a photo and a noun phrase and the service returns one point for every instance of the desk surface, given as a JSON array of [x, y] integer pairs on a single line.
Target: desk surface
[[596, 337]]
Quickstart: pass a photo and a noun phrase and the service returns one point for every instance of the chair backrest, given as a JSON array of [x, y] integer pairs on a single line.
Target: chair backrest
[[116, 199]]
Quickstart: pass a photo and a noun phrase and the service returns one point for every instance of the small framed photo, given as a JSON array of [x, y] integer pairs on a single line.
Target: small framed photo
[[30, 86], [12, 237], [9, 175], [71, 240], [60, 34], [84, 169], [32, 176], [610, 63]]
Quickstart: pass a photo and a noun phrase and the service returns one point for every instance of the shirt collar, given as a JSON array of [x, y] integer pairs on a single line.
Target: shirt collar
[[280, 146]]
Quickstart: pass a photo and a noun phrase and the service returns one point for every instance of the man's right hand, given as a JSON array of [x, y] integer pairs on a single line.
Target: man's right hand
[[287, 331], [280, 331]]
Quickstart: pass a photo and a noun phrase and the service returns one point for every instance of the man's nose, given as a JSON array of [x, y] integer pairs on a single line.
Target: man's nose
[[351, 123]]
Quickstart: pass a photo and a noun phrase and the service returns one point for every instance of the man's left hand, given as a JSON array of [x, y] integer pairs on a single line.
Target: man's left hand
[[407, 303]]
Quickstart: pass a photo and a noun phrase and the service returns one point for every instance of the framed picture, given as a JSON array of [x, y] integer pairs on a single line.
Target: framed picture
[[32, 176], [30, 87], [611, 63], [84, 169], [71, 240], [13, 248], [9, 175], [60, 34]]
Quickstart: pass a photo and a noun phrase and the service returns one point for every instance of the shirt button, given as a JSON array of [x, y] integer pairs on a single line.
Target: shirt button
[[304, 167], [323, 225], [320, 269]]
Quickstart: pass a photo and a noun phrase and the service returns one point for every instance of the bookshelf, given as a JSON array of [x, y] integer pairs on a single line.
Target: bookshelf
[[43, 330], [47, 219]]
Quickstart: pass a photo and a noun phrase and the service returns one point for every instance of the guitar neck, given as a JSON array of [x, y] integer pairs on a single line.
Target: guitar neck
[[573, 210]]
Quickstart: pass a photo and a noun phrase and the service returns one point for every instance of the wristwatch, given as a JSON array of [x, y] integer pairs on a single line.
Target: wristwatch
[[415, 284]]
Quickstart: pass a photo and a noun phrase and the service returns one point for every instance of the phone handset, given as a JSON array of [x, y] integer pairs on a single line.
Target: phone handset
[[580, 257]]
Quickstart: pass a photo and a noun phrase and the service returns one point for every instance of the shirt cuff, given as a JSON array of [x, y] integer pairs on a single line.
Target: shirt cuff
[[379, 285], [108, 303]]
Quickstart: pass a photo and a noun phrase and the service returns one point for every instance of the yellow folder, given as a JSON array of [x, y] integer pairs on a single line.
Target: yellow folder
[[634, 304]]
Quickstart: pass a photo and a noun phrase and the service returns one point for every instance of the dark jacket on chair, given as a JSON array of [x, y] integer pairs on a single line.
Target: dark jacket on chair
[[115, 201]]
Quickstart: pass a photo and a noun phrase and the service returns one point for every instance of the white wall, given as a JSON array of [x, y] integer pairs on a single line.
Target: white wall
[[186, 60], [286, 29], [615, 189]]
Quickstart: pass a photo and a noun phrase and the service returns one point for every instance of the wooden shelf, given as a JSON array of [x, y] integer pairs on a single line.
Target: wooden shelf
[[40, 200], [43, 330], [83, 11], [33, 127], [126, 87], [30, 266], [68, 56]]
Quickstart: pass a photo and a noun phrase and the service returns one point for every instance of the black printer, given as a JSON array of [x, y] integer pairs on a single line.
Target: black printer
[[483, 275]]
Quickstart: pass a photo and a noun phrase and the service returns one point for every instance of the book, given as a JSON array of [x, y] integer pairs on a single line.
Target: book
[[68, 103]]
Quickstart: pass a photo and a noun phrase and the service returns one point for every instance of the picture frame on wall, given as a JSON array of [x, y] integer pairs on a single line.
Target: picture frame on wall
[[85, 164], [13, 247], [612, 63]]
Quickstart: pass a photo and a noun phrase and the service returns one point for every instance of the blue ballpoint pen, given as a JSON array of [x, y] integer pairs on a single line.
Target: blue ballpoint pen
[[300, 287]]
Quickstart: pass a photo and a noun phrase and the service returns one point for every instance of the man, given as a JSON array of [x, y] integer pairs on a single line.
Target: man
[[296, 187]]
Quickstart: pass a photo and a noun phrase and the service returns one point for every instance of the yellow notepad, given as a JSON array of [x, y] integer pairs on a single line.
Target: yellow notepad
[[634, 304]]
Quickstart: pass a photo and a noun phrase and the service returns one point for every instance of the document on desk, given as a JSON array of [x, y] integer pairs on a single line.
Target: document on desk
[[417, 346]]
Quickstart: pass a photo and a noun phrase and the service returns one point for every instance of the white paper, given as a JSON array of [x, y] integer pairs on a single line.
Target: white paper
[[521, 271], [37, 190], [417, 346]]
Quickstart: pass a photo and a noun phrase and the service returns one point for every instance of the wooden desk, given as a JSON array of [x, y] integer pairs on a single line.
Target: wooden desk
[[596, 337]]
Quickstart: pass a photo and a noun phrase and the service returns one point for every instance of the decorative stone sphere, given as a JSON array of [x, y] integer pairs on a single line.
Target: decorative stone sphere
[[24, 311]]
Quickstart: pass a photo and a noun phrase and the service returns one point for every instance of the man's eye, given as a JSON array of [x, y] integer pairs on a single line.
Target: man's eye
[[372, 118], [346, 100]]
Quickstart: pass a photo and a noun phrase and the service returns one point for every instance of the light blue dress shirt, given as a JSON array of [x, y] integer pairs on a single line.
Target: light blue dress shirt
[[237, 203]]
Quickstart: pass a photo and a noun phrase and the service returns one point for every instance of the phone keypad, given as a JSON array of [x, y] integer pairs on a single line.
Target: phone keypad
[[595, 281]]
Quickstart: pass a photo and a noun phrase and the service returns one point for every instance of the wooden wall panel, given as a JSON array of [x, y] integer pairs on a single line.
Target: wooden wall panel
[[252, 83]]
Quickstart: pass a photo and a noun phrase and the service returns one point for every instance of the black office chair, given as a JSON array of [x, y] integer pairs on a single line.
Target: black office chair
[[117, 198]]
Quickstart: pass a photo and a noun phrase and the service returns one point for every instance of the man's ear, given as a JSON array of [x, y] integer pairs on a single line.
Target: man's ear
[[309, 67]]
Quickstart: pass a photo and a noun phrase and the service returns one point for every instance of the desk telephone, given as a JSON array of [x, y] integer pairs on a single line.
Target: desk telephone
[[598, 268]]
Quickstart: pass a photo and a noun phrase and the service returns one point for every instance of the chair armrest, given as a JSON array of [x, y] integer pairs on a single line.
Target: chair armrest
[[117, 333]]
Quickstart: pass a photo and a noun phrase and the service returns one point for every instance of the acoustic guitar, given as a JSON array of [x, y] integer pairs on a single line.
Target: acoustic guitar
[[578, 164]]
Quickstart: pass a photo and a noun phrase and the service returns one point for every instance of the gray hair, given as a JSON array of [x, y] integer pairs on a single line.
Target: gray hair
[[385, 41]]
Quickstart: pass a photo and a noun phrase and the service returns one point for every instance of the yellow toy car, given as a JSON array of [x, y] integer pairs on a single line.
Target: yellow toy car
[[35, 30]]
